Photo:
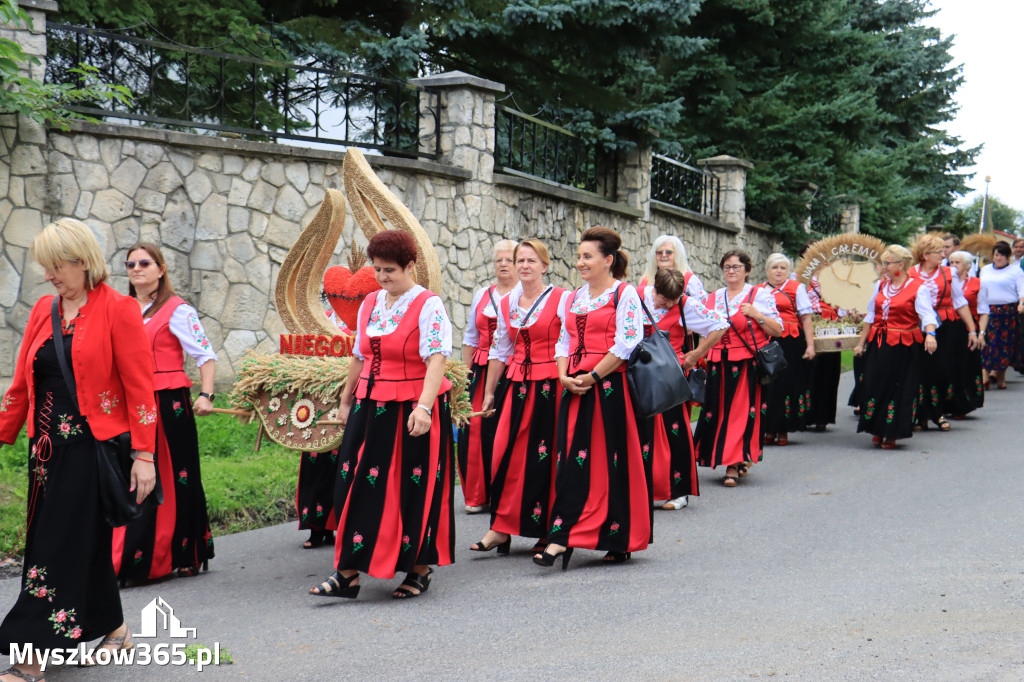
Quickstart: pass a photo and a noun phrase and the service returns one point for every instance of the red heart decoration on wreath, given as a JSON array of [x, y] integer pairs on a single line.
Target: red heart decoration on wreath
[[346, 291]]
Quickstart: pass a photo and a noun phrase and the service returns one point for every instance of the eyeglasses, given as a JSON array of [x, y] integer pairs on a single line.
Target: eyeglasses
[[731, 268], [664, 253], [892, 262], [940, 252], [144, 263]]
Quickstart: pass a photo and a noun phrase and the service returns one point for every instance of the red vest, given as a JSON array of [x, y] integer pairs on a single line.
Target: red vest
[[534, 355], [971, 288], [168, 357], [591, 334], [731, 341], [903, 326], [785, 301], [670, 323], [485, 326], [944, 285], [393, 360]]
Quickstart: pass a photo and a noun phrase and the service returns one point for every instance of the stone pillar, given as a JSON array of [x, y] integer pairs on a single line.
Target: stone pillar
[[733, 201], [23, 187], [849, 222], [466, 119], [634, 180]]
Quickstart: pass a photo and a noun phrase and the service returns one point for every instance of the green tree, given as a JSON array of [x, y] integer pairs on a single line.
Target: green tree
[[44, 102], [1003, 217]]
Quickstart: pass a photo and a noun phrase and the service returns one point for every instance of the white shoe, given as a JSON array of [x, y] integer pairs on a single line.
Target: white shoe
[[677, 503], [474, 510]]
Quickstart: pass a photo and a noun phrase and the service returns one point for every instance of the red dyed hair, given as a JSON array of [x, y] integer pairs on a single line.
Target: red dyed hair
[[395, 246]]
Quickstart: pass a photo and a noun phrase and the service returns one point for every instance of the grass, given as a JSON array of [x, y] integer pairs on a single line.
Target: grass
[[244, 490]]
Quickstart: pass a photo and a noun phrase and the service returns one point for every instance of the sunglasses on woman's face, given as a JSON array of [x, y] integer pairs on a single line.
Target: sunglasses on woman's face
[[664, 253], [144, 263]]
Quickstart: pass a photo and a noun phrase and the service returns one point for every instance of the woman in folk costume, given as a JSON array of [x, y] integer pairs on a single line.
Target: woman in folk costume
[[1000, 305], [789, 396], [602, 486], [175, 535], [970, 373], [395, 479], [523, 450], [900, 322], [668, 253], [942, 389], [474, 466], [729, 430], [674, 466]]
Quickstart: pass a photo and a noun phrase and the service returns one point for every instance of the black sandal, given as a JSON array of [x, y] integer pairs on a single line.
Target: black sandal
[[337, 585], [547, 559], [414, 580], [503, 547], [318, 538], [943, 424], [617, 557]]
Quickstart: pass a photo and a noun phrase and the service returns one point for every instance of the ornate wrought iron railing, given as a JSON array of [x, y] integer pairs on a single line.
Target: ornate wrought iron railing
[[824, 218], [679, 184], [199, 90], [526, 144]]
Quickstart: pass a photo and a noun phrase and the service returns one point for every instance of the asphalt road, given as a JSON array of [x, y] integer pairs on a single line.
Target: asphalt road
[[831, 561]]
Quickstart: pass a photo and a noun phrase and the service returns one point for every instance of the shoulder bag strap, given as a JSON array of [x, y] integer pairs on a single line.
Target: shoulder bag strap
[[494, 304], [682, 318], [58, 344], [526, 319], [753, 351]]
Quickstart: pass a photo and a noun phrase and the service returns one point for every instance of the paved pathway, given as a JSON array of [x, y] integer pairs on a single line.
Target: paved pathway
[[831, 561]]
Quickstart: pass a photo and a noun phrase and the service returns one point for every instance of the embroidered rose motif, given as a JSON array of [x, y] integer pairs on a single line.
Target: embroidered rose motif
[[381, 407], [676, 475], [615, 460], [319, 510], [305, 513], [522, 392], [176, 406], [542, 451], [675, 428], [406, 543], [6, 402], [646, 451], [344, 470], [66, 428], [581, 457], [146, 416], [613, 529], [62, 623], [138, 556], [537, 511], [357, 541], [545, 390], [108, 401], [372, 478], [607, 386], [312, 456], [76, 632], [557, 524], [416, 473], [183, 477]]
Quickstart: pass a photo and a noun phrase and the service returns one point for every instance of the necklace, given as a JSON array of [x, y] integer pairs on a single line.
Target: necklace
[[890, 289]]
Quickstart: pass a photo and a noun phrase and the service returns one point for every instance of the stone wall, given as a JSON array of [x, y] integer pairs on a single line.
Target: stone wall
[[226, 211]]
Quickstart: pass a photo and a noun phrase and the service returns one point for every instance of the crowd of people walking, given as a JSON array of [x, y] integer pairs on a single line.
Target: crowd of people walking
[[556, 451]]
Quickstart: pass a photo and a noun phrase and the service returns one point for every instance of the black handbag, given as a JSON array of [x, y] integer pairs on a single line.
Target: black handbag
[[655, 376], [697, 377], [770, 360], [113, 456]]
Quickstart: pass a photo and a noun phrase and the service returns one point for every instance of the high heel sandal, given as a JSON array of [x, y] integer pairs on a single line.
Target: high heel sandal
[[318, 538], [337, 585], [503, 547], [189, 571], [415, 580], [540, 546], [617, 557], [111, 642], [547, 559], [22, 675]]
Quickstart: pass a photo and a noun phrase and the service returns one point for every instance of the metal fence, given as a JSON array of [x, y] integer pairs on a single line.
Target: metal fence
[[526, 144], [676, 183], [199, 90], [824, 218]]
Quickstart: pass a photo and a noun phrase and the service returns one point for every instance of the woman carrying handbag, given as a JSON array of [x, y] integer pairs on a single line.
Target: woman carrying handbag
[[69, 590], [729, 430]]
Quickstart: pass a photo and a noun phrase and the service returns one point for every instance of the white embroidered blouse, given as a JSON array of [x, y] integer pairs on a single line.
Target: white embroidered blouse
[[1000, 286], [435, 327], [922, 303], [803, 303], [472, 335], [698, 318], [185, 325], [763, 300], [629, 327], [504, 344], [934, 285]]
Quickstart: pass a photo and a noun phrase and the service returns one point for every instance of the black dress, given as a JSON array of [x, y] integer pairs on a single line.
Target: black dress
[[69, 589]]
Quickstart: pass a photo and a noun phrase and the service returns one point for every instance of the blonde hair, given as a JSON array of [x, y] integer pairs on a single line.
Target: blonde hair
[[538, 246], [503, 245], [900, 253], [69, 240], [926, 243], [682, 264], [775, 259]]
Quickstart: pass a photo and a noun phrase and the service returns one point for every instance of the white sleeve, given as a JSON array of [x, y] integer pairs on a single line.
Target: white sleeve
[[958, 298], [435, 329], [1018, 279], [186, 326], [355, 344], [803, 301], [472, 335], [983, 308], [502, 347], [869, 316], [562, 345], [765, 302], [696, 288], [701, 320], [629, 327], [924, 308]]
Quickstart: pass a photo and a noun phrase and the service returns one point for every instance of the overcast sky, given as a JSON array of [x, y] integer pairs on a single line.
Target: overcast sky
[[988, 44]]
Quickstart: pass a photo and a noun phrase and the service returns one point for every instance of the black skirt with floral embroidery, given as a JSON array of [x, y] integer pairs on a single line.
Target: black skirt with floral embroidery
[[69, 589]]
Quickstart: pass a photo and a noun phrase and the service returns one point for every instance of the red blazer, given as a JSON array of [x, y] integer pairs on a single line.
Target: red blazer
[[113, 366]]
